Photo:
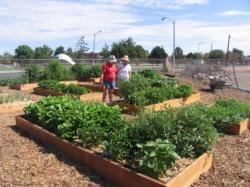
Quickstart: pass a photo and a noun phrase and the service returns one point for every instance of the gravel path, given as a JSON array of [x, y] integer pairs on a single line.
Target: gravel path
[[25, 161]]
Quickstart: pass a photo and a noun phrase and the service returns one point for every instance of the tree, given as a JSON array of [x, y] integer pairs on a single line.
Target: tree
[[43, 52], [105, 51], [81, 47], [178, 53], [59, 50], [238, 54], [194, 55], [6, 55], [158, 53], [216, 54], [70, 52], [128, 47], [24, 52]]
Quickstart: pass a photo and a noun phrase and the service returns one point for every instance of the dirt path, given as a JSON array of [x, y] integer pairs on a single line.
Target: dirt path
[[25, 161]]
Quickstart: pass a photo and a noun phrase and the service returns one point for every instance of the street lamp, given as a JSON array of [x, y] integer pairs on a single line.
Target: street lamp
[[94, 44], [199, 44], [172, 21]]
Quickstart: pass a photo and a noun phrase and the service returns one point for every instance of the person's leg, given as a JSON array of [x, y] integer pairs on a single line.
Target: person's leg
[[112, 87], [105, 90], [110, 95]]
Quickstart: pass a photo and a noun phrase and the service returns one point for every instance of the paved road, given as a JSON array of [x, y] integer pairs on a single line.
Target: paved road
[[6, 74]]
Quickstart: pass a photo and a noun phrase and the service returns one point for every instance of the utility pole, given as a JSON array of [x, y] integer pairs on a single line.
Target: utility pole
[[227, 56], [94, 46], [211, 49]]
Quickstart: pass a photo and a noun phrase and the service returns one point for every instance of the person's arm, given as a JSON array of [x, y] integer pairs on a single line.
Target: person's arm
[[102, 74]]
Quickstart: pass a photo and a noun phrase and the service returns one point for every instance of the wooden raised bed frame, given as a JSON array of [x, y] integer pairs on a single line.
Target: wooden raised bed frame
[[238, 129], [85, 97], [13, 107], [128, 108], [95, 86], [114, 171], [31, 86]]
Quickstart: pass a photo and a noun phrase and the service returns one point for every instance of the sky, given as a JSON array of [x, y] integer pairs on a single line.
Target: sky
[[199, 24]]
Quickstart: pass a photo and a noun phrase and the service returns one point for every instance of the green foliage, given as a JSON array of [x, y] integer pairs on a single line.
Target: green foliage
[[33, 73], [225, 113], [57, 71], [128, 47], [178, 53], [24, 52], [84, 73], [216, 54], [238, 54], [148, 87], [149, 73], [14, 80], [155, 157], [59, 87], [13, 98], [146, 127], [158, 53], [59, 50], [192, 131], [43, 52], [105, 51], [72, 119]]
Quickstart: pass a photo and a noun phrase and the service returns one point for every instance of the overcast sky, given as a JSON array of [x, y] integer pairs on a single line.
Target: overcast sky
[[62, 22]]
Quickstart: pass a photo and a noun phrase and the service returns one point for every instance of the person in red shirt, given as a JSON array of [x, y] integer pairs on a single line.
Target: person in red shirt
[[108, 77]]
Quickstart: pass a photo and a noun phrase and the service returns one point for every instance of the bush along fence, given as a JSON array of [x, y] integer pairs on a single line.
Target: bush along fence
[[55, 88], [150, 91], [54, 71]]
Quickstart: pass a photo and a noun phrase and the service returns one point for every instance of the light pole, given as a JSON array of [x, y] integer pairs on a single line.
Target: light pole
[[173, 22], [94, 44], [199, 44]]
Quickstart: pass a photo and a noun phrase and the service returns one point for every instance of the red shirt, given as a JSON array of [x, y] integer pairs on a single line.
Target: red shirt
[[109, 71]]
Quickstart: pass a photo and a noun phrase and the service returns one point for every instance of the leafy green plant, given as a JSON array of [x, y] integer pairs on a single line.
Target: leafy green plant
[[57, 71], [72, 119], [155, 157], [227, 112], [145, 91], [59, 87], [149, 73], [33, 73], [192, 131], [14, 80], [84, 73]]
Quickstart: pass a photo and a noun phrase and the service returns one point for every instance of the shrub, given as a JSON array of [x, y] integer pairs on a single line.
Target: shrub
[[14, 80], [84, 73], [149, 73], [33, 73]]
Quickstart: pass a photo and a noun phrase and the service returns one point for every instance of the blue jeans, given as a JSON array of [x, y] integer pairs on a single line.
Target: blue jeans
[[109, 85]]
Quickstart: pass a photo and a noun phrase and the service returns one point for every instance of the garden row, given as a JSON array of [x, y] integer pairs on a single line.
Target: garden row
[[150, 144]]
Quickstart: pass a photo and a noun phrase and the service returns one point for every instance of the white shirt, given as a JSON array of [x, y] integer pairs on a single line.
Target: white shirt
[[124, 72]]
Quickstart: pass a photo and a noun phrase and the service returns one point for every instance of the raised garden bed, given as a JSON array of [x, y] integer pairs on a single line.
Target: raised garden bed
[[95, 86], [111, 170], [85, 97], [128, 108], [238, 129], [31, 86], [13, 107]]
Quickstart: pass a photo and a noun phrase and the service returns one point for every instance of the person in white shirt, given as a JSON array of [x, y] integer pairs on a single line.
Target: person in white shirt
[[124, 72]]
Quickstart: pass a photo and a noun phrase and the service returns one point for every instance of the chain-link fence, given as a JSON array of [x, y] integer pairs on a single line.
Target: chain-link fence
[[235, 73]]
